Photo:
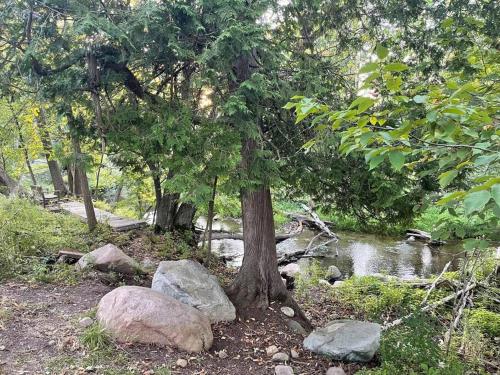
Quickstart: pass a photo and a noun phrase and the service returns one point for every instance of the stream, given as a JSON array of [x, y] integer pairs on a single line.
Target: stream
[[359, 254]]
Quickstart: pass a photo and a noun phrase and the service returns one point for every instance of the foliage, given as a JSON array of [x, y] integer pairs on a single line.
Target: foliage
[[487, 322], [95, 338], [30, 235], [413, 348]]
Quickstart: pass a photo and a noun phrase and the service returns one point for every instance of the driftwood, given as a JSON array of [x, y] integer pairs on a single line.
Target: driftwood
[[307, 221], [422, 236]]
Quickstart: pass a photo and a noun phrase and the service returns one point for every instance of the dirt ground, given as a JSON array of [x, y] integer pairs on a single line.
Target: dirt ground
[[40, 333]]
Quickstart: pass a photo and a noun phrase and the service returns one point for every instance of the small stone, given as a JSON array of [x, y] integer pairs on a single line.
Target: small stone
[[283, 370], [288, 311], [294, 354], [296, 327], [86, 322], [272, 350], [338, 284], [333, 274], [89, 369], [52, 342], [335, 371], [181, 362], [280, 357], [223, 354], [324, 282], [2, 348]]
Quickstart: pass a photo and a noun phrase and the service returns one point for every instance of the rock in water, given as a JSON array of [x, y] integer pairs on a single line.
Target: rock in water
[[345, 340], [109, 258], [283, 370], [189, 282], [333, 274], [138, 314]]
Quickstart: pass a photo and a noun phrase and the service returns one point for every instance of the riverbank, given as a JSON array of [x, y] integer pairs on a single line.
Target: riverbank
[[42, 304]]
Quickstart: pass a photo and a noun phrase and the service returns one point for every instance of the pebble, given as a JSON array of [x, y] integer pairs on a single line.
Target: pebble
[[2, 348], [296, 327], [52, 342], [181, 362], [272, 350], [288, 311], [86, 322], [223, 354], [280, 357], [335, 371], [294, 354], [283, 370]]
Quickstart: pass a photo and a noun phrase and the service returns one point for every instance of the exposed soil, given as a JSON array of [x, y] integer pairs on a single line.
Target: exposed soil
[[40, 332]]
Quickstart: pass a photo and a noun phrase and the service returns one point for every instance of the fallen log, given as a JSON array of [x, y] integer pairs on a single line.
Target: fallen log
[[445, 268], [308, 222], [239, 236]]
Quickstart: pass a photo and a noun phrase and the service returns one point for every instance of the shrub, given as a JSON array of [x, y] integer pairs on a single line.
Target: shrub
[[30, 236]]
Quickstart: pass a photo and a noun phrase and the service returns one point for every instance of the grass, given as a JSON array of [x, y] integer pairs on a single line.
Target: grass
[[95, 338]]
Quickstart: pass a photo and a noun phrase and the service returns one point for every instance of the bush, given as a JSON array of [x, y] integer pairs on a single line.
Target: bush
[[413, 348], [487, 322], [30, 236]]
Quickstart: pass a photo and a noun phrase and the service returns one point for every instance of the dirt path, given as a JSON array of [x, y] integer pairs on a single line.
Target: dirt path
[[40, 330]]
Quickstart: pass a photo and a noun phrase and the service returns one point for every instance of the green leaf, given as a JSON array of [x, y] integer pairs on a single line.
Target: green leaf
[[397, 160], [484, 160], [495, 193], [450, 197], [420, 99], [375, 161], [396, 67], [381, 51], [367, 68], [447, 177], [362, 103], [476, 201]]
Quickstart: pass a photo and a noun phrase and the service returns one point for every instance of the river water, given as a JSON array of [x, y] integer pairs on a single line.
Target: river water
[[358, 254]]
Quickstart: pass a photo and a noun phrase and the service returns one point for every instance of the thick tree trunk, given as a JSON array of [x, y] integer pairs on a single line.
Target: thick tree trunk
[[165, 212], [184, 217], [258, 281], [55, 171]]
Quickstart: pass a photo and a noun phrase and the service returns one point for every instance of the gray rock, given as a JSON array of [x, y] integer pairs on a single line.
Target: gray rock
[[222, 354], [296, 327], [338, 284], [288, 311], [345, 340], [272, 350], [86, 322], [294, 353], [280, 357], [189, 282], [181, 362], [333, 273], [109, 258], [283, 370], [148, 265], [290, 270], [335, 371]]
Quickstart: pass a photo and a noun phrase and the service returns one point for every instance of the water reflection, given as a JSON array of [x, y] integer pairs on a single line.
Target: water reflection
[[362, 254]]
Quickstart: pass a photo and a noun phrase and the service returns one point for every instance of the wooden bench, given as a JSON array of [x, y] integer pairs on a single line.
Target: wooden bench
[[44, 198]]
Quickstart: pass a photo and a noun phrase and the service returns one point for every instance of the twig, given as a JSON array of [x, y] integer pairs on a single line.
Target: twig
[[445, 268]]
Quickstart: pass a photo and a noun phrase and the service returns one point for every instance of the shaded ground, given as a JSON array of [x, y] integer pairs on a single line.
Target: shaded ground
[[40, 335], [40, 331]]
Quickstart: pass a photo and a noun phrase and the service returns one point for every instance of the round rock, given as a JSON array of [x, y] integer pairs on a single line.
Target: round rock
[[86, 322], [138, 314], [280, 357], [345, 340], [335, 371], [272, 350], [288, 311], [283, 370]]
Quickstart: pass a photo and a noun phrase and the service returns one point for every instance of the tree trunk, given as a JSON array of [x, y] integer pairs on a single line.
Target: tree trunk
[[71, 182], [55, 171], [258, 281], [184, 217], [80, 176], [165, 212], [8, 182], [23, 145]]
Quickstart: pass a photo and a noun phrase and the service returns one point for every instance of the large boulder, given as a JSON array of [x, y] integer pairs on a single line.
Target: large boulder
[[333, 274], [189, 282], [109, 258], [345, 340], [138, 314]]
